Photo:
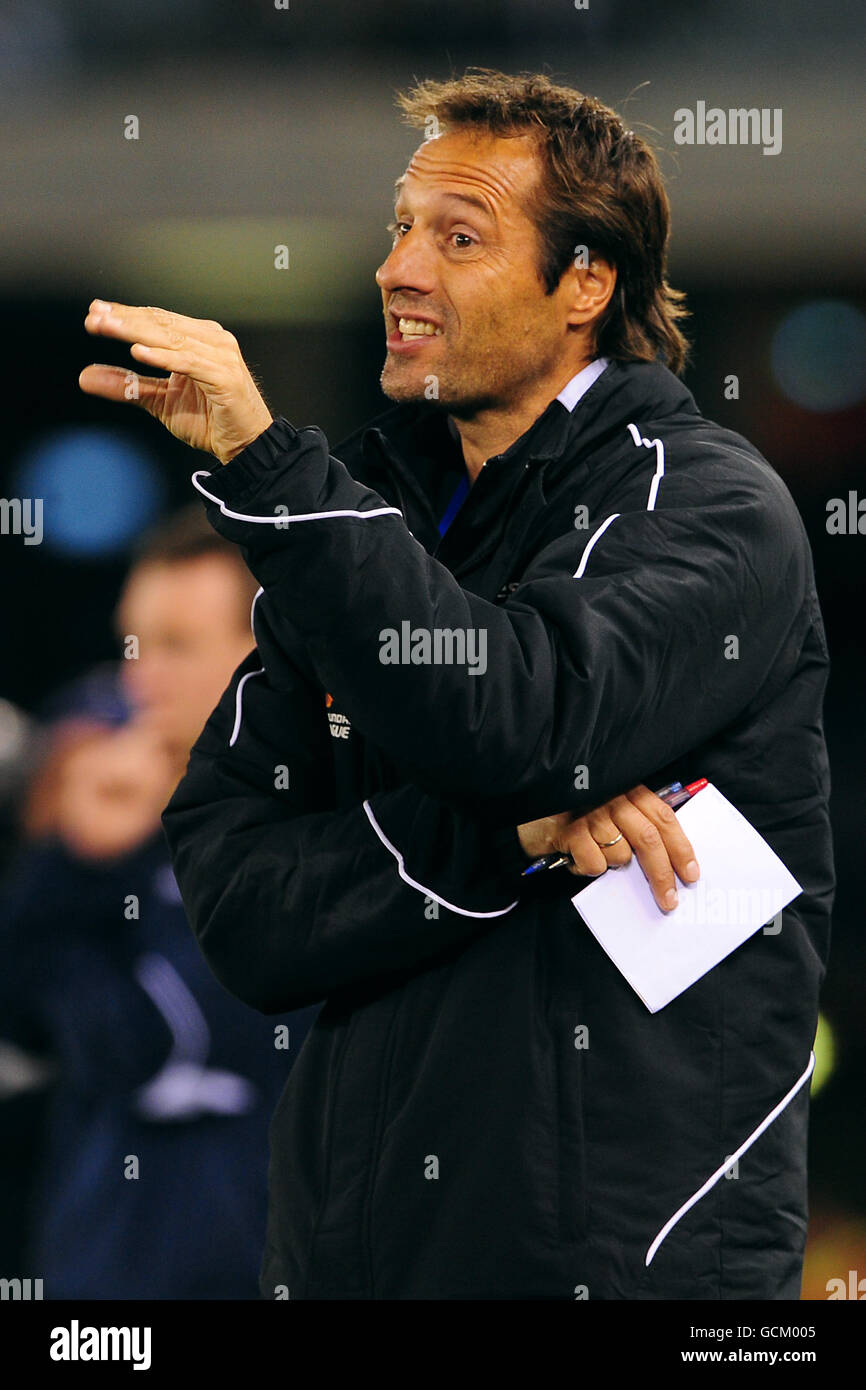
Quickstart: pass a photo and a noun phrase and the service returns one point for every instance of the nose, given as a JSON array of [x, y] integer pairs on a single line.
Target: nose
[[409, 266]]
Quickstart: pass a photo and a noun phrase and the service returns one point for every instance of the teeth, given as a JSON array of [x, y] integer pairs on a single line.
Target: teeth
[[418, 328]]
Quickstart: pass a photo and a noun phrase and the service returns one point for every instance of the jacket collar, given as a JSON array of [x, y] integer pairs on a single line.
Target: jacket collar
[[402, 451]]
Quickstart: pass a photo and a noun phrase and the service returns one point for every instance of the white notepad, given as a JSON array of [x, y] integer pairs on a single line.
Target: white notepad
[[743, 885]]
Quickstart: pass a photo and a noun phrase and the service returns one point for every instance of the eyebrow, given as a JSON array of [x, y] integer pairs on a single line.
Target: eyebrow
[[470, 198]]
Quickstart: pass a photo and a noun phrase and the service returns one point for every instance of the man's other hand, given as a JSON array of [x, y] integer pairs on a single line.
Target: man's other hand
[[210, 400], [648, 826]]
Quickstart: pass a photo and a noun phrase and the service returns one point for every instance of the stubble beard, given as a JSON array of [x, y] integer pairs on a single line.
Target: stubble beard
[[463, 401]]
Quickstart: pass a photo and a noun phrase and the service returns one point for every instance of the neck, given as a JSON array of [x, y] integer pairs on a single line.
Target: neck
[[490, 432]]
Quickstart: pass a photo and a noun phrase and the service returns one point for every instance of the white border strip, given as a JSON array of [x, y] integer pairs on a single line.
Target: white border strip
[[238, 703], [413, 883], [578, 573], [660, 463], [729, 1162], [256, 596], [651, 500], [288, 518]]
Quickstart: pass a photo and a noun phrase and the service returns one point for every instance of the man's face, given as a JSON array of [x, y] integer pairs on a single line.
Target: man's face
[[466, 260], [192, 633]]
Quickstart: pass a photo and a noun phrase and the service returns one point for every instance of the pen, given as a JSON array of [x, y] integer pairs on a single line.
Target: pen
[[674, 795], [679, 798]]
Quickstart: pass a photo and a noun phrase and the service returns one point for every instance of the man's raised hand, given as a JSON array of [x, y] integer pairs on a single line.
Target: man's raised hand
[[210, 400]]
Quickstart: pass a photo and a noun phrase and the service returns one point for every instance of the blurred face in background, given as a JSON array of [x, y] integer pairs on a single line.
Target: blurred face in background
[[191, 618]]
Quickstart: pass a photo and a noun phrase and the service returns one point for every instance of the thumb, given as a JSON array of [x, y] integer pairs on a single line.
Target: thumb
[[118, 383]]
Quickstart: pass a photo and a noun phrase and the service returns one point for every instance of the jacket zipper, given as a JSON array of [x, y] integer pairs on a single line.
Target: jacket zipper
[[487, 547]]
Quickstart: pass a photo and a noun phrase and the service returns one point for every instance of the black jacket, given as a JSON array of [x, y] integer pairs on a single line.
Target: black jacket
[[345, 832]]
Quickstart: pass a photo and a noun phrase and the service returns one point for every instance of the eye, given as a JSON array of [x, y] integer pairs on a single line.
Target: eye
[[463, 240], [396, 229]]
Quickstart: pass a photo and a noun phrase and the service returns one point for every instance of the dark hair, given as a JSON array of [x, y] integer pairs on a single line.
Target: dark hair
[[601, 187], [186, 535]]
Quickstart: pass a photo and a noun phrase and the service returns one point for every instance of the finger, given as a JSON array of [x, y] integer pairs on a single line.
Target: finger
[[588, 858], [129, 323], [186, 360], [149, 324], [120, 384], [677, 843], [650, 851], [602, 829]]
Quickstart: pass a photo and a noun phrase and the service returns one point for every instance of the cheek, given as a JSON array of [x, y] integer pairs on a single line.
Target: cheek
[[513, 307]]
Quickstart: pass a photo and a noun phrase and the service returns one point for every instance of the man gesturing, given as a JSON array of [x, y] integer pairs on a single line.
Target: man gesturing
[[210, 400], [484, 1108]]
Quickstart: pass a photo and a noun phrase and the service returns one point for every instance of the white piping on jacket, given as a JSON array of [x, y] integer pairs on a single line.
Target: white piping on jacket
[[256, 596], [413, 883], [732, 1159], [660, 463], [238, 695], [239, 702], [591, 542], [287, 518], [651, 500]]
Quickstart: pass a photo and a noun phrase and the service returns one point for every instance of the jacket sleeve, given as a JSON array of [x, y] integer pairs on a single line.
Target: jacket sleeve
[[625, 645], [292, 900]]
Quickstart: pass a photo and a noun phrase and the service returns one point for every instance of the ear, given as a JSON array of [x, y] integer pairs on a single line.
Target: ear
[[587, 286]]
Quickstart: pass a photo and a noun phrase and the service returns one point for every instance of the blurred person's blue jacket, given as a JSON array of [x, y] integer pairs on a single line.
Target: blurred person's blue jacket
[[156, 1063]]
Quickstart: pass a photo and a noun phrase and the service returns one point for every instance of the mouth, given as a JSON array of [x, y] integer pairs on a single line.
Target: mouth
[[410, 330]]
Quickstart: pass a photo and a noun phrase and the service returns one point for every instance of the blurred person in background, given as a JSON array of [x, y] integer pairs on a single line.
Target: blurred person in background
[[152, 1183], [20, 745]]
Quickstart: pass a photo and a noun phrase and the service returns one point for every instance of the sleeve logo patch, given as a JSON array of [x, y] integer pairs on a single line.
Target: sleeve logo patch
[[338, 723]]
